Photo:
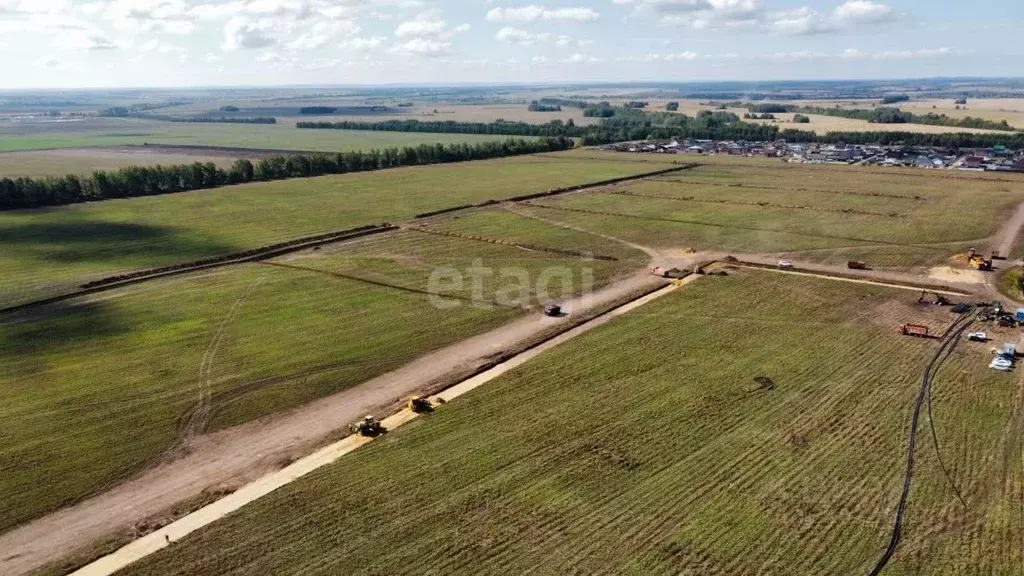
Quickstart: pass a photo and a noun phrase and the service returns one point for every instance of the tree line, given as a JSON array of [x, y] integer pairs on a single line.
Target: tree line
[[885, 115], [536, 106], [131, 181], [500, 128], [210, 119]]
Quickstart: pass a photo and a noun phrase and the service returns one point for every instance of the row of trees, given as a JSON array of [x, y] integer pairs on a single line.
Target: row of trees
[[672, 106], [885, 115], [151, 180], [756, 116], [210, 119], [952, 140], [554, 128], [564, 102], [894, 98], [536, 106]]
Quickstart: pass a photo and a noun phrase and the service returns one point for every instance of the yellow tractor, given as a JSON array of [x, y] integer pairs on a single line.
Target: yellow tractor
[[419, 405], [368, 426]]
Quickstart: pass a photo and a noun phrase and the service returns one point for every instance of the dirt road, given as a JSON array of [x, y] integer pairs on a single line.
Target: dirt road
[[205, 516], [238, 455], [1007, 236]]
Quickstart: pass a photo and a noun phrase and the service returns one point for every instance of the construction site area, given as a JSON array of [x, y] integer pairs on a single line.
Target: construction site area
[[619, 365]]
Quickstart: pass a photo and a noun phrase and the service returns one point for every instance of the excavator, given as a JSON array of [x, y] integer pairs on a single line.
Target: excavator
[[939, 299]]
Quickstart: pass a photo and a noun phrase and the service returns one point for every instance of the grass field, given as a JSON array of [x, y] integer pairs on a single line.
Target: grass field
[[284, 136], [835, 214], [56, 249], [646, 447], [97, 388], [36, 163]]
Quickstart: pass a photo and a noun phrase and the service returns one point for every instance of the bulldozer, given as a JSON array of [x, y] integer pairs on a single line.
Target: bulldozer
[[982, 264], [368, 426], [419, 405]]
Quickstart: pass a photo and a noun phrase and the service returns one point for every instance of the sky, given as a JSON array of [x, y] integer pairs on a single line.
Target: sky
[[170, 43]]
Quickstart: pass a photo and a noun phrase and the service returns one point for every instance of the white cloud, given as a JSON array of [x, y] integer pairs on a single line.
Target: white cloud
[[533, 13], [578, 58], [247, 33], [146, 15], [863, 11], [323, 33], [426, 35], [362, 43], [50, 62], [539, 59], [750, 15], [421, 28], [924, 53], [424, 47], [521, 37]]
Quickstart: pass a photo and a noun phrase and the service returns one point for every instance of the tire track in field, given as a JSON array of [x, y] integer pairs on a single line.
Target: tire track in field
[[197, 419], [946, 347]]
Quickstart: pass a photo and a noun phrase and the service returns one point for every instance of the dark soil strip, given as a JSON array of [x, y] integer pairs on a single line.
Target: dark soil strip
[[945, 348], [253, 255], [759, 204], [558, 191], [502, 242], [725, 226]]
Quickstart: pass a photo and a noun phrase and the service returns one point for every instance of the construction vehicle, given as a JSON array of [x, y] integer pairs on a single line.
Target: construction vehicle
[[419, 404], [979, 263], [856, 265], [553, 310], [368, 426], [675, 273], [939, 299], [912, 330]]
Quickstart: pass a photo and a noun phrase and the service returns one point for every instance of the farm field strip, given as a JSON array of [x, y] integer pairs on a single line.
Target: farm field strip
[[118, 132], [159, 539], [57, 249], [657, 470], [312, 323], [761, 203]]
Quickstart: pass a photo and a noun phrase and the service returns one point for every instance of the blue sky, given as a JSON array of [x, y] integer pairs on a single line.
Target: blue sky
[[120, 43]]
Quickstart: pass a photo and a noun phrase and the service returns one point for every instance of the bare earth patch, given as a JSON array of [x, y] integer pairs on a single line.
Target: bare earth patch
[[956, 275]]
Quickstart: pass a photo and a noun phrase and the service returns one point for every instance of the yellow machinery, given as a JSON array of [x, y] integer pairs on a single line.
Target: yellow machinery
[[419, 405], [979, 263]]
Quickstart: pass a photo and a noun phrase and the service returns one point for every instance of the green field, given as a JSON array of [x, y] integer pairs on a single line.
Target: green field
[[810, 213], [97, 388], [55, 249], [38, 163], [284, 136], [646, 447]]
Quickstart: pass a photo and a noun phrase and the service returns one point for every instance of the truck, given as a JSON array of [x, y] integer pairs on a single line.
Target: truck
[[785, 265], [856, 265], [912, 330]]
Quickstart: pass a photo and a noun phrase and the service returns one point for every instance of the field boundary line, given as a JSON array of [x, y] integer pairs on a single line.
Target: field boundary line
[[938, 288], [162, 538], [253, 255], [503, 242], [742, 186], [264, 252], [757, 204], [724, 226], [558, 191]]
